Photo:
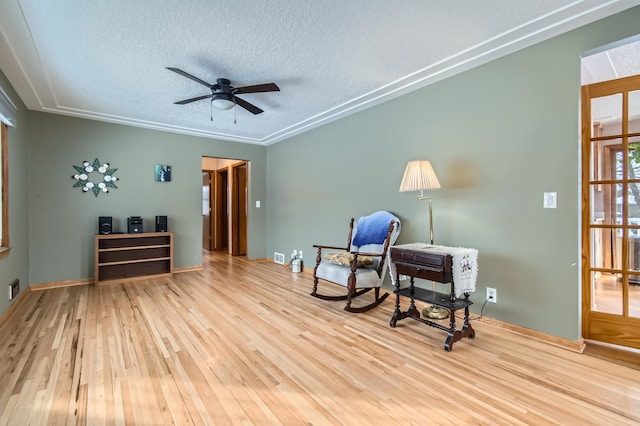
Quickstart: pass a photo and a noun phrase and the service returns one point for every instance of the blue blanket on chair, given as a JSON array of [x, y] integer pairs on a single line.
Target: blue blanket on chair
[[373, 229]]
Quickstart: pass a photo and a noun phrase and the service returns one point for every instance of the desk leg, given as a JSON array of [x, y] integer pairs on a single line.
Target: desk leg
[[397, 315], [413, 312], [451, 336], [467, 330]]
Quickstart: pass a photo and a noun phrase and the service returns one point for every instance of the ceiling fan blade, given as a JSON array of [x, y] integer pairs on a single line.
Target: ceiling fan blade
[[186, 74], [197, 98], [246, 105], [267, 87]]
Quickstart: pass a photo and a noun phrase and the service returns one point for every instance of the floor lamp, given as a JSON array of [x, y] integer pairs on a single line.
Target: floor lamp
[[418, 176]]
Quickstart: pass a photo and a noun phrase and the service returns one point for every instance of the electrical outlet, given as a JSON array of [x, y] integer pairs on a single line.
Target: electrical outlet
[[492, 295], [278, 258]]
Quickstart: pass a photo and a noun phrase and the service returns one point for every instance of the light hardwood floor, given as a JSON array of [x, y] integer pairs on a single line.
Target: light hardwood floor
[[242, 342]]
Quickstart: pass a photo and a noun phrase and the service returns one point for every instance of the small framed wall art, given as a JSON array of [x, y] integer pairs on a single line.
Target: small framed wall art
[[163, 173]]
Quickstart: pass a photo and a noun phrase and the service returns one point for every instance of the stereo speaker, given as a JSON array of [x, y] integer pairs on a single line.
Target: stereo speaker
[[161, 224], [134, 225], [105, 225]]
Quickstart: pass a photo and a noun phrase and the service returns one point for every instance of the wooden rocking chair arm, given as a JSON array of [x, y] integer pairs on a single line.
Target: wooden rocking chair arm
[[329, 247], [363, 253]]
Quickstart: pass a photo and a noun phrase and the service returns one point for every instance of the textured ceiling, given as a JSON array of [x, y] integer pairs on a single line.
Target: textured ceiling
[[107, 59]]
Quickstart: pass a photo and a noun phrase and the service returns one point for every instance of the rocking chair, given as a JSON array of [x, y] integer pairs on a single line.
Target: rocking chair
[[361, 265]]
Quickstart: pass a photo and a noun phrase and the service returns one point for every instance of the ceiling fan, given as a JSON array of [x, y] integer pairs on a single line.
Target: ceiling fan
[[223, 94]]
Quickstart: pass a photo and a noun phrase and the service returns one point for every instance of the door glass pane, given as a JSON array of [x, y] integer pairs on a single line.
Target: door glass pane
[[634, 250], [604, 208], [633, 203], [606, 248], [633, 168], [606, 157], [606, 291], [634, 111], [606, 112], [634, 296]]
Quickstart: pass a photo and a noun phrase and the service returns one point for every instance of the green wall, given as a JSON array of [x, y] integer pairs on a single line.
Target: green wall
[[16, 265], [498, 136], [63, 219]]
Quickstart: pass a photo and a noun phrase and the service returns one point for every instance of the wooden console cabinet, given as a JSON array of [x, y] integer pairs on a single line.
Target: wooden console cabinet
[[123, 258]]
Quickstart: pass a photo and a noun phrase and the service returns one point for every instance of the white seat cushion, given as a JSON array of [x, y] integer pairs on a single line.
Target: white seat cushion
[[365, 277]]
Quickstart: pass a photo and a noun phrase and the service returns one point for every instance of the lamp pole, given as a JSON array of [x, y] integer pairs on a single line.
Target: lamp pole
[[423, 197]]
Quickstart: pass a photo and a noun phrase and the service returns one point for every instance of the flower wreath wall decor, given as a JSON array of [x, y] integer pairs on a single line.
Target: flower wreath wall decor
[[105, 174]]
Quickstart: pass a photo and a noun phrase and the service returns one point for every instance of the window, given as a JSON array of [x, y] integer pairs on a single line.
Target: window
[[4, 188], [7, 118]]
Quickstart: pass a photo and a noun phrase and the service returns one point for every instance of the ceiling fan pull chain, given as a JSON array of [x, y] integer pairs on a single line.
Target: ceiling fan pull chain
[[211, 110]]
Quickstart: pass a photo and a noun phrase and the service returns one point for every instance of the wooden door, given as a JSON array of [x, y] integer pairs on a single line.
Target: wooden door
[[221, 210], [207, 199], [611, 211], [239, 210]]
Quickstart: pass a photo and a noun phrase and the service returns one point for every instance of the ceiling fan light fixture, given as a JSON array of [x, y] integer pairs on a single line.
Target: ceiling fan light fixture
[[223, 101]]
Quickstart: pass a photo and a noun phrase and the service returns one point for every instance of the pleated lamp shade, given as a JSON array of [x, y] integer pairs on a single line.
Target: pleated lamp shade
[[419, 175]]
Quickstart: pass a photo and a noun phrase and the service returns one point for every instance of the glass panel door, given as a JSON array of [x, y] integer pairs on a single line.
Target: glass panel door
[[611, 211]]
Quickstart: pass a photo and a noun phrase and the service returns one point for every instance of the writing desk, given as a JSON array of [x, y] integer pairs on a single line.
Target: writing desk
[[435, 264]]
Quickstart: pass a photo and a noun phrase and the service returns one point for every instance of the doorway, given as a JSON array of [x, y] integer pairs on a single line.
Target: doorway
[[225, 186], [611, 211]]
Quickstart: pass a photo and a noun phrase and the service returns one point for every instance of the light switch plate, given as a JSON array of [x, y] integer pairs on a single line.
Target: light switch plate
[[257, 204], [550, 200]]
